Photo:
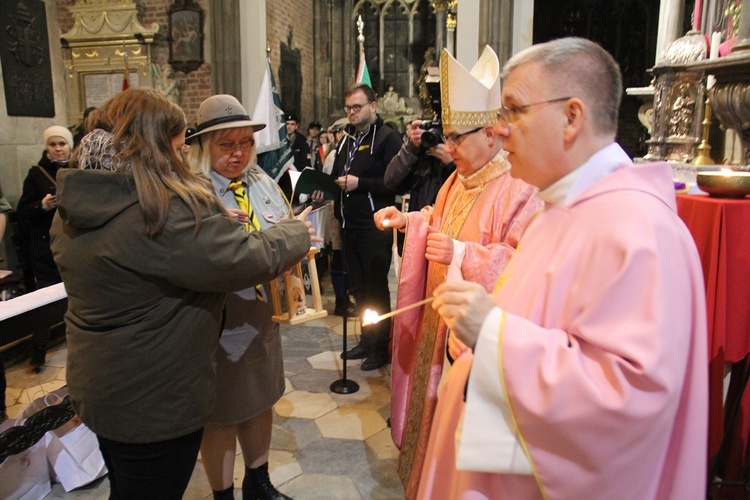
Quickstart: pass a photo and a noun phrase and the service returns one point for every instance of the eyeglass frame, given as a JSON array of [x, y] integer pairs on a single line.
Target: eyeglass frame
[[224, 147], [356, 107], [506, 112], [456, 140]]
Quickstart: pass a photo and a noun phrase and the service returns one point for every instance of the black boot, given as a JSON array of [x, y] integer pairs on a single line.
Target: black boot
[[359, 351], [227, 494], [38, 358], [257, 485]]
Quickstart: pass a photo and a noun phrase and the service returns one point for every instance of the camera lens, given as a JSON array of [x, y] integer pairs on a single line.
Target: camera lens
[[430, 139]]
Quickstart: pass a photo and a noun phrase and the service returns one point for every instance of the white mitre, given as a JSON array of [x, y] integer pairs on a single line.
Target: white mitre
[[470, 98]]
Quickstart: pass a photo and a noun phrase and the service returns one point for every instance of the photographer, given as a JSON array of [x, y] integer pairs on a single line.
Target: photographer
[[421, 166]]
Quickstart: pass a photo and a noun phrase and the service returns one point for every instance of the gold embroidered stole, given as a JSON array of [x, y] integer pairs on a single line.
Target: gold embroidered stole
[[431, 343]]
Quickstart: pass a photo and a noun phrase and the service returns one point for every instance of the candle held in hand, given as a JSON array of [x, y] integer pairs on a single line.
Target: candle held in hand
[[371, 317]]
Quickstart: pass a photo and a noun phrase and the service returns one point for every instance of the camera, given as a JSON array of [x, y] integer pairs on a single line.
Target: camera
[[433, 129], [433, 133]]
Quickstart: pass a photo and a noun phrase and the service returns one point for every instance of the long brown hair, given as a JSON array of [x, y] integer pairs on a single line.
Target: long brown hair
[[143, 124]]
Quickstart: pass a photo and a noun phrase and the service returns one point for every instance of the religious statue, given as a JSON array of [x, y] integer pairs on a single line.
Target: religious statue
[[682, 111], [424, 94], [166, 83]]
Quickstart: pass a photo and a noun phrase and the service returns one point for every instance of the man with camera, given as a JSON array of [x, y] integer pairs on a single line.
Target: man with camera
[[471, 233], [421, 166]]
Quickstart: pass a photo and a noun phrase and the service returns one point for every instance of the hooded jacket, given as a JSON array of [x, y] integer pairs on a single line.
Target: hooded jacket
[[144, 313], [375, 151]]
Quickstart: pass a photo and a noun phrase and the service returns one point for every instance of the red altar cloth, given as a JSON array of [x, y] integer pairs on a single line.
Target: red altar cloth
[[721, 229]]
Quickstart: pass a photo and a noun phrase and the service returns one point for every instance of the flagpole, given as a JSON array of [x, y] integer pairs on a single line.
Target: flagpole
[[361, 37]]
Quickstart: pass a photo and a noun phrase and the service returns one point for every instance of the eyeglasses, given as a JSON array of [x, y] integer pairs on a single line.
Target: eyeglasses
[[231, 147], [510, 114], [455, 140], [355, 107]]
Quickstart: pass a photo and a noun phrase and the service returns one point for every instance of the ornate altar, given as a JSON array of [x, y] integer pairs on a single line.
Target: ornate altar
[[106, 42], [679, 93]]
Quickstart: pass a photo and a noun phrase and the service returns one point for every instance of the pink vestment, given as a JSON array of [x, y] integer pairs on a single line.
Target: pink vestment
[[598, 362], [491, 231]]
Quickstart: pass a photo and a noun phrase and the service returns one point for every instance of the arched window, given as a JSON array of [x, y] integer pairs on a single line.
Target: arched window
[[397, 35]]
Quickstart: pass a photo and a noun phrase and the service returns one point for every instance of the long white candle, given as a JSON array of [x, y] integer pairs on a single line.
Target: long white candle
[[713, 54], [370, 317]]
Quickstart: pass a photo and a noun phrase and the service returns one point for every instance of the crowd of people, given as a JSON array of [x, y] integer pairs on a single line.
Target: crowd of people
[[563, 354]]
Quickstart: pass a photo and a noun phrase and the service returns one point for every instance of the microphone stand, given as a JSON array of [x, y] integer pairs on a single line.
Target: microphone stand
[[343, 385]]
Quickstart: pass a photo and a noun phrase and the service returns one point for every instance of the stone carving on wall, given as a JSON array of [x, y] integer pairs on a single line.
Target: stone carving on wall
[[24, 50]]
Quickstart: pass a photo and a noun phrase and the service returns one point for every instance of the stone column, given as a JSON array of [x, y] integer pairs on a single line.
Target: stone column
[[253, 41], [496, 26], [441, 13], [670, 24], [467, 34], [225, 55]]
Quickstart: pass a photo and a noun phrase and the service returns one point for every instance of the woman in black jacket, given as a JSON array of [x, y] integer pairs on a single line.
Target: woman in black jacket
[[38, 203]]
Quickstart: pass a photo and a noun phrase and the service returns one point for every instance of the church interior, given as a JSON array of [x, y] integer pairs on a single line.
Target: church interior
[[685, 71]]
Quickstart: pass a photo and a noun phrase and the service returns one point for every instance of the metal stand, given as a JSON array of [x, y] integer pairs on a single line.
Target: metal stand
[[344, 386], [718, 463]]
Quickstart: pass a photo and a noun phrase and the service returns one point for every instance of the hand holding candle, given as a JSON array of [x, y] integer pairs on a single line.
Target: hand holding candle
[[389, 217]]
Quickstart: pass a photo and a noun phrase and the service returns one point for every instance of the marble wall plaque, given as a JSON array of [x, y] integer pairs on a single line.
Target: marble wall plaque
[[25, 58]]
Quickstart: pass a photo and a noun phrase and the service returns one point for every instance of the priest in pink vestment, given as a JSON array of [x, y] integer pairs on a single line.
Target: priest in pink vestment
[[474, 227], [586, 371]]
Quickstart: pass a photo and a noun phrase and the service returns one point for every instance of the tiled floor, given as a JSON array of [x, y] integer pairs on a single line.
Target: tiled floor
[[324, 446]]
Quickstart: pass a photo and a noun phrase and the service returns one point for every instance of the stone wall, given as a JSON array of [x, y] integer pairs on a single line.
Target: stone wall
[[281, 15]]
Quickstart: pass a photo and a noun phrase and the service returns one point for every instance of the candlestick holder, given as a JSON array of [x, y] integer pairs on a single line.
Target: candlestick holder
[[704, 149]]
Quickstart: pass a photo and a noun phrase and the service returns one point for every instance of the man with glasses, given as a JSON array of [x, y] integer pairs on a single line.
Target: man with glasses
[[359, 167], [588, 365], [471, 233]]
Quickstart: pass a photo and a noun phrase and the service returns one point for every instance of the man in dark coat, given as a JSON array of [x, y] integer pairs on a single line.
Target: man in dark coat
[[361, 160]]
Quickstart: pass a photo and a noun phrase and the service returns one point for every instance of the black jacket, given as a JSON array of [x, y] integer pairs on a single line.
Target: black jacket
[[418, 173], [381, 143], [300, 151], [35, 221]]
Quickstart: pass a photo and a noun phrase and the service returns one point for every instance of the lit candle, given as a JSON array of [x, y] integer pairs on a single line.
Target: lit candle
[[371, 317]]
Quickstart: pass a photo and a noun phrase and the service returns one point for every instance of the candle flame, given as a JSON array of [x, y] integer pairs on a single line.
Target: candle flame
[[370, 317]]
